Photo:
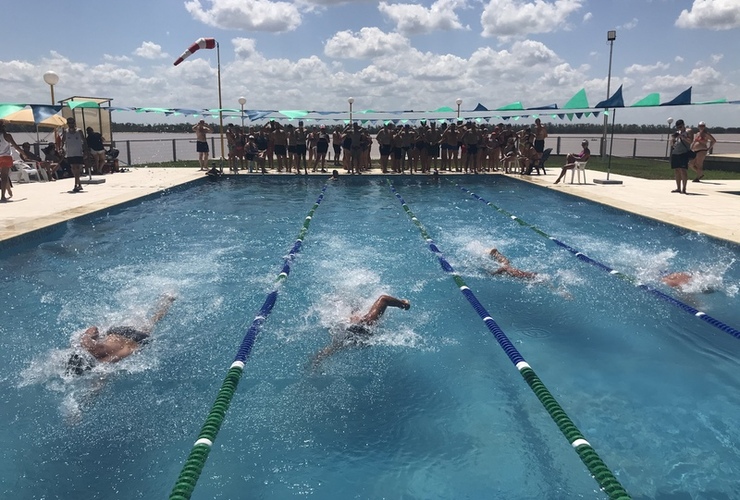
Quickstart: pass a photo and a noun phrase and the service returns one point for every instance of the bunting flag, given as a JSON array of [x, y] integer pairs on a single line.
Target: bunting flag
[[479, 107], [578, 101], [681, 99], [42, 112], [514, 106], [200, 43], [649, 100], [615, 101]]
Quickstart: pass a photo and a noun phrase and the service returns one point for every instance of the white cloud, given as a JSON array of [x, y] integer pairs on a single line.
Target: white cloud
[[507, 18], [367, 44], [629, 25], [678, 59], [706, 78], [716, 58], [150, 50], [251, 15], [711, 15], [587, 17], [645, 68], [413, 19], [109, 57], [244, 47]]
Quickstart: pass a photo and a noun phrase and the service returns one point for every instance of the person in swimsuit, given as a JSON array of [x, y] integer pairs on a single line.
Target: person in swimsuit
[[703, 142], [506, 267], [572, 158], [118, 343], [360, 328]]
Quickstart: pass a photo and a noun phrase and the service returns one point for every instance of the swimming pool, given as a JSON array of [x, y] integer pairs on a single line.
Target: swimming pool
[[433, 409]]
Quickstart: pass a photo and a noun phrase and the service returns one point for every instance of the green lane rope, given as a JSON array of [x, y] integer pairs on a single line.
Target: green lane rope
[[596, 466], [195, 462]]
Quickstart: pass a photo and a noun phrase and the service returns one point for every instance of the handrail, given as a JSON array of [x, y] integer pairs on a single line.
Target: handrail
[[195, 462], [582, 256], [606, 479]]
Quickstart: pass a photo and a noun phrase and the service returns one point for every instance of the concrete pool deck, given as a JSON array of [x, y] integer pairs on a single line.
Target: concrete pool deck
[[711, 207]]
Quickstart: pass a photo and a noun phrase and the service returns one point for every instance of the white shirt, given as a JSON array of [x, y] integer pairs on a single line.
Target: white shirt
[[5, 147], [73, 142]]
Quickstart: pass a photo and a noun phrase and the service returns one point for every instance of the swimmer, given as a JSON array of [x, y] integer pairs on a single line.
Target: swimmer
[[677, 280], [118, 343], [506, 267], [334, 175], [359, 329]]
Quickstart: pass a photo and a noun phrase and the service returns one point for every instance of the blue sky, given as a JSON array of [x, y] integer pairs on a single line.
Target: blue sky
[[313, 54]]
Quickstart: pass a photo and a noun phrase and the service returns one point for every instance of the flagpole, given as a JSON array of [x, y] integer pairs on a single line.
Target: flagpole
[[220, 106]]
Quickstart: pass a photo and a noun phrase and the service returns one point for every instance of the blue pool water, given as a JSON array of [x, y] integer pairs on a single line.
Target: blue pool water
[[432, 409]]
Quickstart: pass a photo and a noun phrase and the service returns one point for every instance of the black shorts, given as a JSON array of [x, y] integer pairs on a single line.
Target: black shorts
[[300, 149], [680, 160], [385, 149], [280, 149], [201, 147], [322, 147], [337, 148], [471, 149], [397, 153], [75, 160], [130, 333], [539, 145], [434, 150]]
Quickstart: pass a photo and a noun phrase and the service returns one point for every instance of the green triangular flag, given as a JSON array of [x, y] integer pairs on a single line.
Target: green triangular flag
[[649, 100], [578, 101]]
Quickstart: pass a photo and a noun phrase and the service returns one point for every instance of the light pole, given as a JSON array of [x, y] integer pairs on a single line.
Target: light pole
[[351, 100], [610, 37], [458, 101], [242, 102], [51, 79], [668, 136]]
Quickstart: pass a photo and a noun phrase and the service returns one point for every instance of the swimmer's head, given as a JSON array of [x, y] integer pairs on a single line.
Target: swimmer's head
[[77, 365]]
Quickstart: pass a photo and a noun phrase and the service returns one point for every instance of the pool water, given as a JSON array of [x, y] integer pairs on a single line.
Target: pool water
[[432, 408]]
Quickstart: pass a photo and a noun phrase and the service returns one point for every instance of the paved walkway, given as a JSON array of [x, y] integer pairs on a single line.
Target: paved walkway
[[710, 207]]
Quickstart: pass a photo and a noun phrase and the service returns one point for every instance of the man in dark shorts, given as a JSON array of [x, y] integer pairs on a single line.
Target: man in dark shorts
[[118, 343], [75, 146], [201, 143], [680, 156], [360, 328]]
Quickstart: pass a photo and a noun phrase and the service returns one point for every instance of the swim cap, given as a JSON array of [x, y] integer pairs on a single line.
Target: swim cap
[[77, 365]]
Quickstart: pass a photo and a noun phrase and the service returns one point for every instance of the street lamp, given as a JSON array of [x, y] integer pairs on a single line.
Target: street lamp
[[51, 79], [242, 102], [610, 37], [458, 101], [351, 100]]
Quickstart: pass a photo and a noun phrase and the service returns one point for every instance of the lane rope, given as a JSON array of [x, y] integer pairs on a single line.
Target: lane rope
[[585, 258], [596, 466], [195, 462]]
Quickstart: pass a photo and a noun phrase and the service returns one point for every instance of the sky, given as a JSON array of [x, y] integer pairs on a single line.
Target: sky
[[315, 54]]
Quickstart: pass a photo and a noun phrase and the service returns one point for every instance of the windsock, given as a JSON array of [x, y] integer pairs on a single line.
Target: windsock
[[200, 43]]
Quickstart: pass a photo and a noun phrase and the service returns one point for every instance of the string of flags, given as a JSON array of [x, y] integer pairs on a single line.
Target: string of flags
[[575, 107]]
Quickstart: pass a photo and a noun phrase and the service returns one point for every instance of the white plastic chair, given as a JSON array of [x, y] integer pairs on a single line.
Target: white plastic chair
[[20, 172], [580, 167]]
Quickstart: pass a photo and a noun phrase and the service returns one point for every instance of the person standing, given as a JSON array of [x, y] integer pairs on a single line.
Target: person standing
[[76, 149], [703, 142], [540, 134], [97, 149], [680, 155], [201, 143], [6, 161]]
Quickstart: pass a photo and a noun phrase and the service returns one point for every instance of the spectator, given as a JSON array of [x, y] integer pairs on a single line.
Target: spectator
[[201, 143], [680, 155], [6, 161], [702, 143], [75, 146], [572, 158], [97, 149]]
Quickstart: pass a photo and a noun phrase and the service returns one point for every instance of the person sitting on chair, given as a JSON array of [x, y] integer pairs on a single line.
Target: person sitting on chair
[[118, 343], [572, 158], [359, 330]]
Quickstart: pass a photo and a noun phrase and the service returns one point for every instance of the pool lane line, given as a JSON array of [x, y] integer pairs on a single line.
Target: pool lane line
[[596, 466], [195, 462], [582, 256]]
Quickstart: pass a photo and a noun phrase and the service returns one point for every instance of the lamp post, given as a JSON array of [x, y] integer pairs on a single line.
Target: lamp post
[[51, 79], [458, 101], [668, 136], [242, 102], [610, 37], [351, 100]]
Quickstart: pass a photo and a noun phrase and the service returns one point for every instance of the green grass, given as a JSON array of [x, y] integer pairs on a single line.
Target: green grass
[[644, 168]]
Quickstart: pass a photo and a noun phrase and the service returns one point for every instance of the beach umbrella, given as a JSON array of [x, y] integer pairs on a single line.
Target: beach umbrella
[[25, 117]]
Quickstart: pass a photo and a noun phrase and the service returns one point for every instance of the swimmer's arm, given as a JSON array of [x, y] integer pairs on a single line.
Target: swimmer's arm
[[90, 337]]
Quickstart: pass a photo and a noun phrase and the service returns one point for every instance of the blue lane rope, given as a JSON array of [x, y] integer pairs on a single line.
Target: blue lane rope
[[585, 258], [195, 462], [596, 466]]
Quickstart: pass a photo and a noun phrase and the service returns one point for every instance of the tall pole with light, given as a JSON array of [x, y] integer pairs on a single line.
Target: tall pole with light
[[351, 101], [242, 102], [51, 79], [458, 101], [610, 37]]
